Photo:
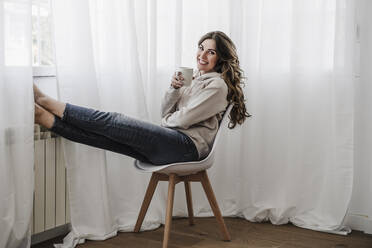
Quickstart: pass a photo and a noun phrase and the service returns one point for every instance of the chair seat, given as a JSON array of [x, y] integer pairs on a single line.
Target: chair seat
[[180, 169]]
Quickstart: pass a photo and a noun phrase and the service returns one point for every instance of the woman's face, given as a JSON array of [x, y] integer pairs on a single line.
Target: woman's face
[[206, 57]]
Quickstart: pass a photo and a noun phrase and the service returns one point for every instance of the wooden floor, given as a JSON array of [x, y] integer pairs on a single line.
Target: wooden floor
[[205, 234]]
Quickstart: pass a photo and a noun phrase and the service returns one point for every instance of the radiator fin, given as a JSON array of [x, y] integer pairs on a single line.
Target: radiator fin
[[51, 206]]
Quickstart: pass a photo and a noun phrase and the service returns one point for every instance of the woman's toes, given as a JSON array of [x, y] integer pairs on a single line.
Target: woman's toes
[[37, 93]]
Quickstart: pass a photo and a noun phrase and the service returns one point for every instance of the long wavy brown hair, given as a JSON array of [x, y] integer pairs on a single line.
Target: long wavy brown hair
[[228, 66]]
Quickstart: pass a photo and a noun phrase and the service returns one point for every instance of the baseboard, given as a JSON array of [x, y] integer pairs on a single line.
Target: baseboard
[[359, 222], [50, 234]]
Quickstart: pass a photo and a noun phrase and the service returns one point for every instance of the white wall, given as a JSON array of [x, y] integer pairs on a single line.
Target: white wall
[[360, 211]]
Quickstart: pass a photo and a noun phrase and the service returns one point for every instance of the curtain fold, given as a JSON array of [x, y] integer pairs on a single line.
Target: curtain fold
[[360, 211], [292, 161], [16, 124]]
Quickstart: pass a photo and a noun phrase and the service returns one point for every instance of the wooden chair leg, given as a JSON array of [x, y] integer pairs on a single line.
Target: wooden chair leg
[[214, 205], [168, 217], [189, 202], [146, 201]]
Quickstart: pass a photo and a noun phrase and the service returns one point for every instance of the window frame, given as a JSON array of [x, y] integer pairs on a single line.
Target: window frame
[[44, 71]]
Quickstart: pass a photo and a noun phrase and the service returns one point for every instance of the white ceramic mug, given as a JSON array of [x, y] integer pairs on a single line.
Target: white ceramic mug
[[187, 74]]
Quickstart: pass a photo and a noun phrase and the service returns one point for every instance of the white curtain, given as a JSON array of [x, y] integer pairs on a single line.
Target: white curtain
[[16, 124], [292, 161], [360, 211]]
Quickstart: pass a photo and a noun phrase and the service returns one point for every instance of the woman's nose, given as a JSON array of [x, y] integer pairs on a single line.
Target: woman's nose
[[203, 55]]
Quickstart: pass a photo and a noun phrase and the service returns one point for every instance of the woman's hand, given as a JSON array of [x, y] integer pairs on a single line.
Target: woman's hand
[[177, 80]]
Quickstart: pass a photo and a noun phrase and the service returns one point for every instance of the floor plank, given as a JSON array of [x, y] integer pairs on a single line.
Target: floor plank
[[205, 234]]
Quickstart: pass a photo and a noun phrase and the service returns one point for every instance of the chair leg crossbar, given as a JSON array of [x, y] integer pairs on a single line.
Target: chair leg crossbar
[[173, 180]]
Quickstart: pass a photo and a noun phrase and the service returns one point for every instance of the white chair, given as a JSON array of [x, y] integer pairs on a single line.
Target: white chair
[[186, 172]]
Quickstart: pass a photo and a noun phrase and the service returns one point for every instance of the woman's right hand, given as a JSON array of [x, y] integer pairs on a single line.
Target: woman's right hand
[[177, 80]]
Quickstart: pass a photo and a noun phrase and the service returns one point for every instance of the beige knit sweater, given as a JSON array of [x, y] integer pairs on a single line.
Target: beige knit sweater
[[196, 110]]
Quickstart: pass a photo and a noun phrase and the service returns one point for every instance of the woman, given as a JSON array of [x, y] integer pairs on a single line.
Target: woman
[[190, 115]]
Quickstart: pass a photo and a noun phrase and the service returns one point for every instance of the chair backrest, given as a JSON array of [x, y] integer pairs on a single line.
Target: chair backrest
[[223, 124], [207, 162]]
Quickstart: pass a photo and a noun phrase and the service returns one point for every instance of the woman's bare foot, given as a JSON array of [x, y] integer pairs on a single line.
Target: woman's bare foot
[[37, 94], [43, 117], [50, 104]]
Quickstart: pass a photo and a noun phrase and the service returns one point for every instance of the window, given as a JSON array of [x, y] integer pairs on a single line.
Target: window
[[42, 45], [43, 56]]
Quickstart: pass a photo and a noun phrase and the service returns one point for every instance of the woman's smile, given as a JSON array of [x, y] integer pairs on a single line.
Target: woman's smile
[[202, 62]]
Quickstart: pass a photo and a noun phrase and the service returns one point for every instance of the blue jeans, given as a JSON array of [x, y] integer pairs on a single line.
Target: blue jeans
[[119, 133]]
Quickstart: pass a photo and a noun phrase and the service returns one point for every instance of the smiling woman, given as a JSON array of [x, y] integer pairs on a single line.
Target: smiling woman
[[190, 115], [217, 52]]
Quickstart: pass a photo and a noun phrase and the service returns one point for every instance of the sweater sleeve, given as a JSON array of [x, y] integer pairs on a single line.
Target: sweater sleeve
[[209, 102], [169, 102]]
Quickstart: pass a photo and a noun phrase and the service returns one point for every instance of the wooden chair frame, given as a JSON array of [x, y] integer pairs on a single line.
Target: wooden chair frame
[[173, 179]]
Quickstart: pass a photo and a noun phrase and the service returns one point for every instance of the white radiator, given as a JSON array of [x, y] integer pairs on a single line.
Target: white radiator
[[51, 207]]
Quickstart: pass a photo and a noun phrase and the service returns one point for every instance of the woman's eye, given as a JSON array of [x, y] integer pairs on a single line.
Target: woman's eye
[[211, 52], [201, 48]]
